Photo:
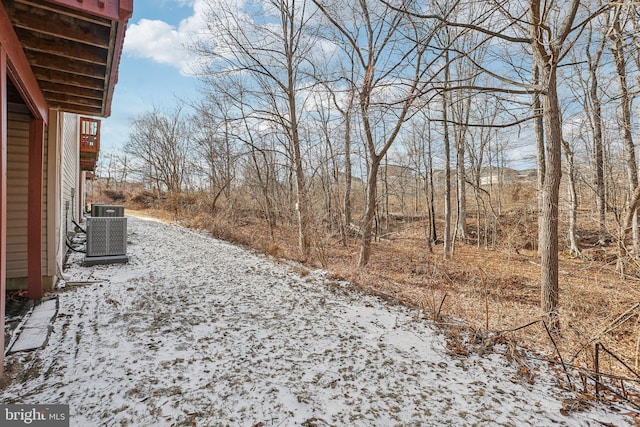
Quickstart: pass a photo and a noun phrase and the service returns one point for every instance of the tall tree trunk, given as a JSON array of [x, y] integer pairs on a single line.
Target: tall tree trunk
[[538, 126], [461, 191], [447, 167], [598, 143], [464, 108], [302, 205], [433, 232], [625, 111], [447, 185], [432, 208], [347, 171], [547, 52], [370, 211], [386, 193], [550, 196], [573, 200], [429, 206]]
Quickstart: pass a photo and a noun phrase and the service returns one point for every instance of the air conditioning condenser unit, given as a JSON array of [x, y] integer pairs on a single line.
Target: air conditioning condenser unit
[[106, 240], [100, 210]]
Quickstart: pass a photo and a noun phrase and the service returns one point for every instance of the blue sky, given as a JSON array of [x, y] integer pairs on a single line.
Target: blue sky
[[154, 68]]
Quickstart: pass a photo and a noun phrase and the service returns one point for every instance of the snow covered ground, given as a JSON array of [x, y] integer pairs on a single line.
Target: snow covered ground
[[195, 331]]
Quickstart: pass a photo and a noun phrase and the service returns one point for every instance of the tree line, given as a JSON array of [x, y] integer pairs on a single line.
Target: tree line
[[334, 115]]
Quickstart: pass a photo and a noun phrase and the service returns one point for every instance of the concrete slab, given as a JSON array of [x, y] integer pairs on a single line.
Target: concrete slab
[[35, 331], [114, 259]]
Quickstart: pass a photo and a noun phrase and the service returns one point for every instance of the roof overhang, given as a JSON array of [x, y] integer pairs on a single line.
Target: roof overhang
[[73, 48]]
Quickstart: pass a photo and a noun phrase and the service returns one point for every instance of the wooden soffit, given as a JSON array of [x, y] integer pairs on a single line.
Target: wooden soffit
[[73, 48]]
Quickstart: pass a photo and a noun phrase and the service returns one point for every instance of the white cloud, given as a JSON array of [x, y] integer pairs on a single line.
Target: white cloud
[[182, 2], [155, 40], [165, 43]]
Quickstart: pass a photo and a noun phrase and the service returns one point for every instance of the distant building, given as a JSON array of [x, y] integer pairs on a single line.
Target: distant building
[[494, 175]]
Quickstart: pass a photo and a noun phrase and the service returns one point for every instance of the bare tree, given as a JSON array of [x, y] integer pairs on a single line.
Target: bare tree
[[343, 100], [215, 143], [589, 92], [161, 145], [593, 63], [549, 43], [478, 145], [462, 102], [417, 143], [269, 61], [390, 54], [573, 198], [538, 127], [447, 251], [620, 59]]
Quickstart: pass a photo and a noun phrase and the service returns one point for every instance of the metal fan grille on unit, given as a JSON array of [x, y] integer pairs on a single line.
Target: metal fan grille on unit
[[106, 236]]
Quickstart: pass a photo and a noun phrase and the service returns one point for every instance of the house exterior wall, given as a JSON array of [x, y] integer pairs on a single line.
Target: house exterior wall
[[64, 186], [55, 246], [17, 199], [17, 191], [70, 186]]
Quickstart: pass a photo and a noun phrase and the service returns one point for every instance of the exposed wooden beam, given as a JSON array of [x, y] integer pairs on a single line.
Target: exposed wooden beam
[[19, 70], [113, 64], [34, 209], [72, 98], [60, 63], [71, 46], [56, 76], [75, 108], [55, 8], [33, 42], [110, 9], [36, 19], [60, 88]]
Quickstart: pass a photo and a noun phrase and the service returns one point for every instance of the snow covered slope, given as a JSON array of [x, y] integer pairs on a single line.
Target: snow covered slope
[[194, 331]]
